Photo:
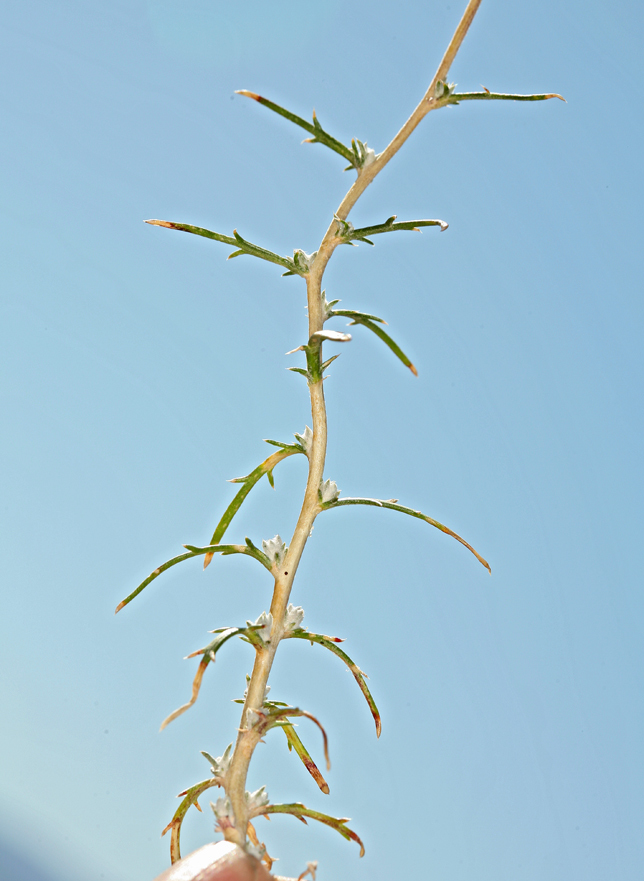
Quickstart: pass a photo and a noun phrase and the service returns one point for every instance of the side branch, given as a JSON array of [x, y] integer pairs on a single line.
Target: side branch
[[394, 506]]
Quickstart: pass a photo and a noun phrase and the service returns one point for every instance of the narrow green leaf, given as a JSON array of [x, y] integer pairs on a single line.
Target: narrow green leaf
[[301, 371], [455, 98], [151, 577], [379, 503], [196, 230], [226, 550], [300, 811], [249, 482], [319, 134], [208, 757], [242, 246], [263, 253], [293, 447], [390, 226], [352, 313], [359, 318], [330, 644], [326, 363]]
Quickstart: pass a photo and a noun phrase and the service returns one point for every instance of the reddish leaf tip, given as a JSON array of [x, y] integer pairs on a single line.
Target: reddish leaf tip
[[165, 223], [413, 370]]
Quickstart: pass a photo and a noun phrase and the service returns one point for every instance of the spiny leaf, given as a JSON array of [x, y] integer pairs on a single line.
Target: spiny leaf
[[390, 226], [367, 321], [347, 232], [249, 482], [196, 230], [326, 363], [331, 644], [486, 95], [352, 313], [301, 371], [242, 246], [191, 796], [300, 811], [151, 577], [379, 503], [225, 550], [295, 743], [256, 251], [193, 551], [315, 129], [295, 448], [209, 654]]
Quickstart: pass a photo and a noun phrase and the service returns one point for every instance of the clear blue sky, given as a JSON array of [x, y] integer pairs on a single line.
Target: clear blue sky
[[139, 370]]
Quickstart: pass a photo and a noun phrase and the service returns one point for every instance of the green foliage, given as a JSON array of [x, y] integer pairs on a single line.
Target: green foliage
[[237, 807]]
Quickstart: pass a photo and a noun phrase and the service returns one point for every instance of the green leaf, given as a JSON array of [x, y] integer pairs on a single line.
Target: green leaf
[[293, 447], [394, 506], [326, 363], [193, 551], [249, 482], [255, 251], [329, 643], [196, 230], [300, 811], [352, 313], [226, 550], [389, 226], [320, 136], [486, 95], [368, 321], [242, 246], [151, 577]]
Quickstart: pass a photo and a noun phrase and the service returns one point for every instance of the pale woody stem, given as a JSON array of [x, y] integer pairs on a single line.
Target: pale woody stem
[[246, 739]]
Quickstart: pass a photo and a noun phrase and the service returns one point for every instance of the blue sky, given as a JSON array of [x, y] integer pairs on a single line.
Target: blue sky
[[140, 370]]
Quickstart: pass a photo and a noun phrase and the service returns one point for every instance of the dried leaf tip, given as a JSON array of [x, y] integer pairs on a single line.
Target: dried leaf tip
[[554, 95], [248, 94], [165, 223], [119, 607], [413, 370]]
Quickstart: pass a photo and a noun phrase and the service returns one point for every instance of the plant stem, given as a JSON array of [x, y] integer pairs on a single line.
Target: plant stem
[[427, 104], [248, 738]]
